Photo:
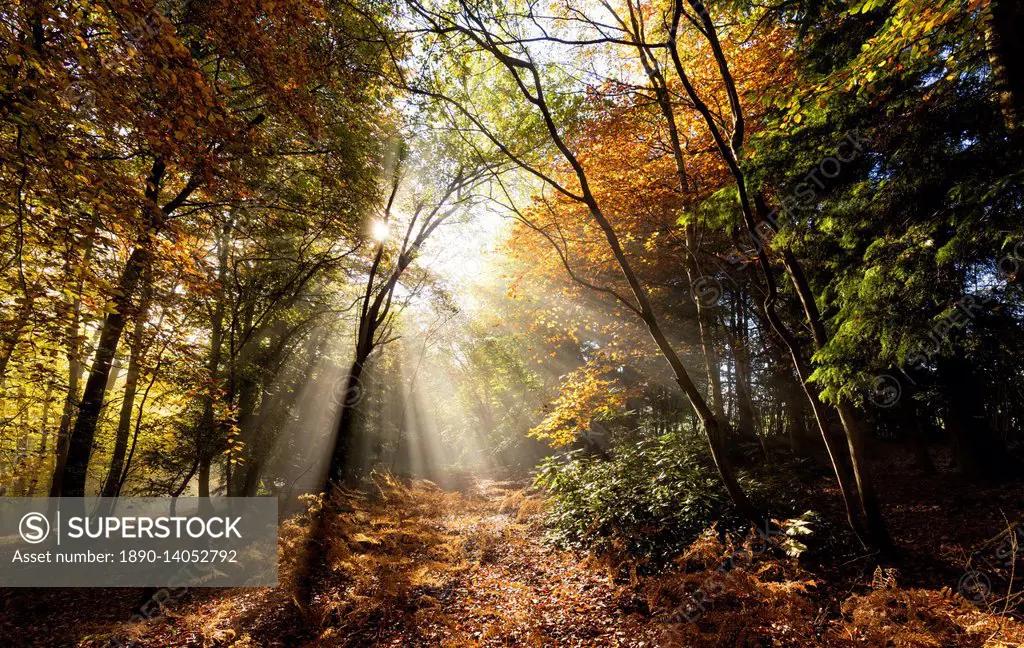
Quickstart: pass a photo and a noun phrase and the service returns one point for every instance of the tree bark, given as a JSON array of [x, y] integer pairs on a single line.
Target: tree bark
[[712, 428], [852, 424], [707, 344], [251, 483], [138, 425], [796, 424], [13, 335], [738, 340], [44, 440], [124, 424], [204, 477], [713, 423], [848, 415]]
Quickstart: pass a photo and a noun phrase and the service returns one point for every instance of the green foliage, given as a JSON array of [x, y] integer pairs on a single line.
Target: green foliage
[[917, 221], [719, 209], [650, 499], [798, 529]]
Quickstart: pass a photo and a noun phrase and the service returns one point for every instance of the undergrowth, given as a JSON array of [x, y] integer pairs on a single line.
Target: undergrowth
[[648, 500], [653, 516]]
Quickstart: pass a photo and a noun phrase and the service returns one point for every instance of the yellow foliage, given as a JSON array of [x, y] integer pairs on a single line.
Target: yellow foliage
[[583, 397]]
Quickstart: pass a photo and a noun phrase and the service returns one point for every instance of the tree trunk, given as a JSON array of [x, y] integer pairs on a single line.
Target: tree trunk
[[1006, 55], [251, 483], [311, 557], [124, 424], [207, 437], [80, 444], [44, 439], [75, 368], [701, 302], [908, 414], [247, 422], [730, 146], [714, 429], [796, 427], [803, 371], [341, 457], [138, 424], [745, 404], [240, 379], [225, 475], [204, 477], [851, 420], [738, 340]]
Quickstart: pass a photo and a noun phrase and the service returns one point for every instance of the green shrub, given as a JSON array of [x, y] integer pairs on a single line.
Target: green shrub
[[649, 499]]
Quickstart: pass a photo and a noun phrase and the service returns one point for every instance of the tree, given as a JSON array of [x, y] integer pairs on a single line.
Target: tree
[[375, 326], [469, 26]]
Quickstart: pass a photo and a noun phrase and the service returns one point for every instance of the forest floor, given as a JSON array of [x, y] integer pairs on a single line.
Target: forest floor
[[415, 565]]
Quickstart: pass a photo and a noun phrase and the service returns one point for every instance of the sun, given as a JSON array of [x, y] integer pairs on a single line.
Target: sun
[[379, 231]]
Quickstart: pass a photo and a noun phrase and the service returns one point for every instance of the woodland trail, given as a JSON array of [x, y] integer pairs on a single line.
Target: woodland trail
[[498, 583]]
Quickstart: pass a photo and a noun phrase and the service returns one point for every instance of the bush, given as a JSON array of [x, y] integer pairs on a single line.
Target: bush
[[649, 499]]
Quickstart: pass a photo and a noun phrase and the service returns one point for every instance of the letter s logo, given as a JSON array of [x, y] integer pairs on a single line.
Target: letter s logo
[[34, 528]]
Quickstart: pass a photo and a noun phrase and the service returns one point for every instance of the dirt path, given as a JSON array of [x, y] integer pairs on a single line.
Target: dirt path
[[521, 592], [470, 569]]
